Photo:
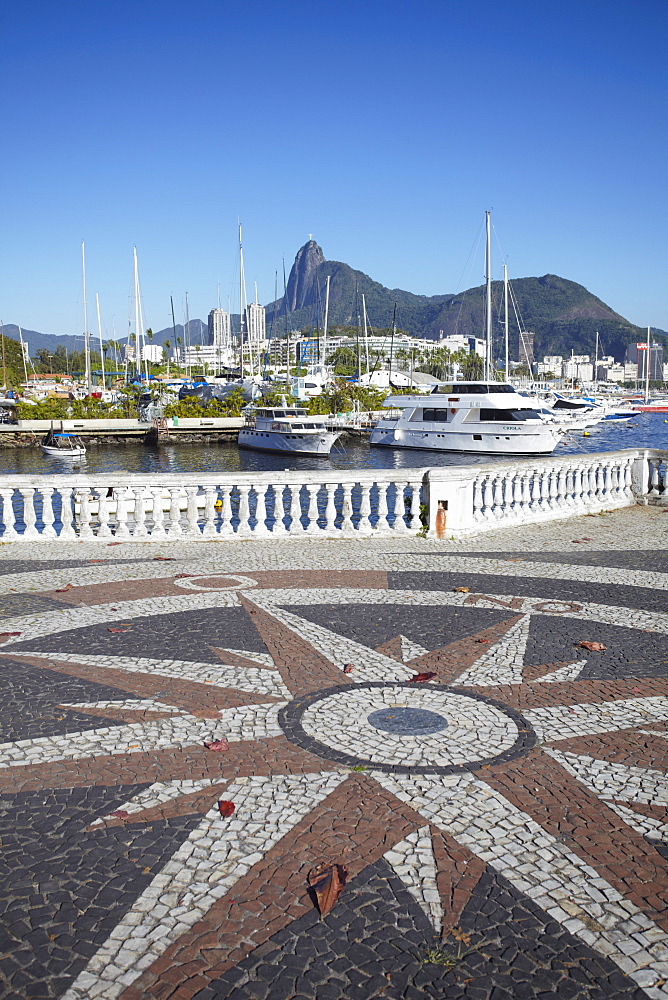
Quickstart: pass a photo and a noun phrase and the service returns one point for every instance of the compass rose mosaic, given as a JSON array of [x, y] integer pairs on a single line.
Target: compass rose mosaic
[[180, 751]]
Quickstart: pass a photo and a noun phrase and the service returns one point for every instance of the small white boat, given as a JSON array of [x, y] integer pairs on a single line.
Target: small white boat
[[286, 429], [486, 418], [60, 444]]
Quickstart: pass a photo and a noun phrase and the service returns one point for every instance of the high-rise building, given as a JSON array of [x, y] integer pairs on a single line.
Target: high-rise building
[[219, 328], [525, 352], [637, 354], [256, 327]]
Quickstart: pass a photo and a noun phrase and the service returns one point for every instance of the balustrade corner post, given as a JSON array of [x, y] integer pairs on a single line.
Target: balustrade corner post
[[451, 504]]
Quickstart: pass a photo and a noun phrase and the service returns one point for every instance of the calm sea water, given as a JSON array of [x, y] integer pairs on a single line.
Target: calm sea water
[[646, 430]]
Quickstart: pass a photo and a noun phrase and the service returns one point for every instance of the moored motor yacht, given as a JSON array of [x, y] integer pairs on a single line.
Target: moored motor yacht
[[286, 429], [487, 418]]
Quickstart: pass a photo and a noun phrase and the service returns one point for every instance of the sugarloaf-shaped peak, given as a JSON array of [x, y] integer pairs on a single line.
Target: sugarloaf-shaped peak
[[301, 283]]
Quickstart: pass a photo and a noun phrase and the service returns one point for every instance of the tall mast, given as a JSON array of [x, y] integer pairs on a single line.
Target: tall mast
[[99, 330], [241, 302], [394, 330], [23, 354], [324, 332], [85, 319], [366, 332], [137, 321], [4, 368], [505, 314], [287, 330], [647, 367], [488, 309], [189, 370], [176, 349], [596, 361]]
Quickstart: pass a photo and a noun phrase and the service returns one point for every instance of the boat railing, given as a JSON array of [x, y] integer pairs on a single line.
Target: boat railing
[[445, 502]]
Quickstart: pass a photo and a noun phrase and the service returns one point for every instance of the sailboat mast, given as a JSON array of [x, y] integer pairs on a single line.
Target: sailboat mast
[[189, 367], [23, 354], [394, 330], [99, 330], [137, 323], [323, 360], [647, 367], [85, 319], [366, 332], [4, 367], [488, 308], [241, 302], [505, 315], [176, 349], [596, 361]]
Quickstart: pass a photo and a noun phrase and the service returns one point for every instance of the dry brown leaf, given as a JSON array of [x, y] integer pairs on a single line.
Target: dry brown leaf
[[217, 745], [348, 668], [226, 808], [462, 590], [62, 590], [595, 647], [422, 678], [327, 882]]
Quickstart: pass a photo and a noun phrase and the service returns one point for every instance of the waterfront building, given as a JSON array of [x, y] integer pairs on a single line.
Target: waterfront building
[[637, 354], [255, 324], [219, 329]]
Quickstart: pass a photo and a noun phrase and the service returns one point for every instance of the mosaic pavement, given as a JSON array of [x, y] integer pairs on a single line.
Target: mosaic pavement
[[421, 713]]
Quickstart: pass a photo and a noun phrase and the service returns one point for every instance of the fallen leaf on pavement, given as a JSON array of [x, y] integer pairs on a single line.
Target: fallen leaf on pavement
[[10, 633], [164, 559], [327, 882], [348, 669], [462, 590], [120, 813], [483, 640], [118, 630], [62, 590], [422, 678], [225, 807], [217, 745], [595, 647]]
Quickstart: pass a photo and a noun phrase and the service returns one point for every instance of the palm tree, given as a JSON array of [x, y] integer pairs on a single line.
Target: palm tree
[[167, 346]]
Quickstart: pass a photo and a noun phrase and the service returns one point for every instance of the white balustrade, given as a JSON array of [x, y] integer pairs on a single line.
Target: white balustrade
[[359, 503]]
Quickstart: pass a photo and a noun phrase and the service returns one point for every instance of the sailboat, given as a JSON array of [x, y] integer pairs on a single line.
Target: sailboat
[[477, 417]]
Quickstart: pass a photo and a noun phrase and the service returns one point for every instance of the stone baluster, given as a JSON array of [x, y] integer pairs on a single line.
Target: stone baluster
[[498, 499], [158, 515], [192, 513], [562, 496], [48, 515], [654, 477], [226, 528], [243, 528], [488, 499], [210, 498], [84, 519], [347, 526], [400, 526], [478, 500], [382, 524], [577, 486], [67, 497], [279, 526], [260, 530], [173, 523], [121, 495], [364, 523], [8, 516], [330, 508], [139, 529], [312, 527], [104, 530], [526, 495], [534, 478], [295, 495]]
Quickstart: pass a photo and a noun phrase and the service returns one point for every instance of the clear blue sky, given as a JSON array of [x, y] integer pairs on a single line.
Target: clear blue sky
[[383, 128]]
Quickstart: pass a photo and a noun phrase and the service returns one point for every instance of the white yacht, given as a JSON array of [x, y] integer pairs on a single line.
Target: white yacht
[[487, 418], [286, 429]]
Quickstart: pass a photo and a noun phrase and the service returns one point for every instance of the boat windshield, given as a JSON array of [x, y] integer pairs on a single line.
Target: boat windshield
[[507, 416], [473, 388]]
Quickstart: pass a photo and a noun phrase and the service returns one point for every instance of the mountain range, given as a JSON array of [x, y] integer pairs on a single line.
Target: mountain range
[[563, 315]]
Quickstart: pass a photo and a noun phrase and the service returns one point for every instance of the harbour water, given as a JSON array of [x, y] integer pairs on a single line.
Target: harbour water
[[646, 430]]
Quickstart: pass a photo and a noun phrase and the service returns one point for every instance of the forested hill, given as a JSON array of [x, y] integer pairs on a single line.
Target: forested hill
[[563, 314]]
